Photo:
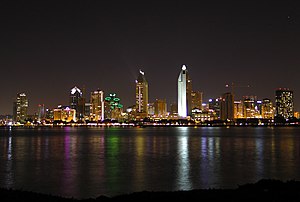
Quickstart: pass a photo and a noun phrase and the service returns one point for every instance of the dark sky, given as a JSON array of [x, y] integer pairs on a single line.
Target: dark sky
[[47, 47]]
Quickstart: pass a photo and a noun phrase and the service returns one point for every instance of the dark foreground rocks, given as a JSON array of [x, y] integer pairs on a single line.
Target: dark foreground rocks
[[264, 190]]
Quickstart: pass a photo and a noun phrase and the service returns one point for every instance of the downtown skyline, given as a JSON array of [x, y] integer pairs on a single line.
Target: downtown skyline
[[102, 106], [49, 48]]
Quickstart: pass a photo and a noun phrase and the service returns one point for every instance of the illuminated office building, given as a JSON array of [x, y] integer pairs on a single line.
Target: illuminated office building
[[250, 109], [238, 109], [141, 95], [97, 106], [284, 104], [77, 102], [20, 108], [113, 107], [267, 109], [196, 100], [184, 93], [65, 114], [160, 108], [215, 105]]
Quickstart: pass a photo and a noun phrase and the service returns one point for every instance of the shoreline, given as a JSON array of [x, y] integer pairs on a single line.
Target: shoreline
[[263, 190]]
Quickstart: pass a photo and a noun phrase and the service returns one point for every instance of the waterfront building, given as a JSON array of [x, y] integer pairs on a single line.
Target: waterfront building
[[41, 112], [97, 106], [141, 96], [65, 114], [250, 109], [113, 109], [284, 104], [227, 107], [160, 108], [49, 115], [174, 109], [204, 115], [20, 108], [87, 110], [184, 93], [238, 109], [151, 109], [196, 97], [267, 109], [77, 102], [215, 105]]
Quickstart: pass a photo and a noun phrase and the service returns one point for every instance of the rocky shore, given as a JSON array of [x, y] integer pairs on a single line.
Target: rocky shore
[[263, 190]]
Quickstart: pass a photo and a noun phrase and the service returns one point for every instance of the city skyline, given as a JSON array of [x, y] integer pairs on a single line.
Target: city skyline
[[77, 97], [49, 48]]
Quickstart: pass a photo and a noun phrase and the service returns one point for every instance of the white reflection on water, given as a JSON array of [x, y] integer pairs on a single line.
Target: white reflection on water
[[183, 161], [9, 177], [9, 154]]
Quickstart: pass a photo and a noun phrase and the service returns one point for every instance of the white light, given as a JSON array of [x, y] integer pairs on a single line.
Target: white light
[[141, 72], [183, 67], [73, 90]]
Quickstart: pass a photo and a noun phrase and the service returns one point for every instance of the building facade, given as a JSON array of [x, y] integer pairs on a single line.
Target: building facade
[[227, 107], [77, 102], [160, 108], [20, 108], [184, 85], [141, 95], [284, 104], [97, 106], [267, 109]]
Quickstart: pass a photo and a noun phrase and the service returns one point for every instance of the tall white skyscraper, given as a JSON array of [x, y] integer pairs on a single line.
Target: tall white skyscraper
[[182, 92]]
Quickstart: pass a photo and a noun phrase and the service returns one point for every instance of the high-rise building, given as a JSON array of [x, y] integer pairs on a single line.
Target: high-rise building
[[249, 107], [227, 107], [112, 107], [77, 102], [151, 109], [97, 105], [267, 109], [141, 95], [160, 108], [284, 104], [238, 109], [196, 99], [20, 108], [41, 112], [184, 93], [215, 105]]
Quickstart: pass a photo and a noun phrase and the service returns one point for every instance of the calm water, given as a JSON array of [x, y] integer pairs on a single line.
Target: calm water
[[88, 162]]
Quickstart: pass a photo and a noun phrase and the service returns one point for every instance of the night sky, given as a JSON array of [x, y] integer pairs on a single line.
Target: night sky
[[46, 48]]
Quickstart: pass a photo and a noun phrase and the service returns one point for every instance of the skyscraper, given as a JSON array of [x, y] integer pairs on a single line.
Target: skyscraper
[[196, 99], [284, 104], [97, 105], [227, 107], [112, 107], [184, 93], [141, 95], [41, 112], [20, 108], [77, 102], [160, 108], [267, 110]]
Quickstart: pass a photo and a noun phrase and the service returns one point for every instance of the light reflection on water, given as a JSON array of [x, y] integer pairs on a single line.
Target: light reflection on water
[[88, 162]]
